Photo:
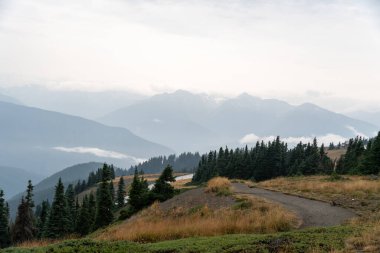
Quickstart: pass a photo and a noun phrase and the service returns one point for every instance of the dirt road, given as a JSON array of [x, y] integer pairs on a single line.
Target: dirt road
[[312, 213]]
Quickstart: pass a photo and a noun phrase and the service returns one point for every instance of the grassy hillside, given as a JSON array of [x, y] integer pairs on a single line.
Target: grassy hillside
[[191, 216], [210, 211]]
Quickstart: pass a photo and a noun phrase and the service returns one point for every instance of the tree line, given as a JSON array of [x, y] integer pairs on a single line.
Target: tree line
[[362, 157], [274, 158], [185, 162], [95, 177], [264, 161]]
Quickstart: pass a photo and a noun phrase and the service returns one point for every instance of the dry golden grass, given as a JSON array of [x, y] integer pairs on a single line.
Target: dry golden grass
[[354, 186], [181, 184], [44, 242], [36, 243], [368, 240], [219, 185], [248, 216]]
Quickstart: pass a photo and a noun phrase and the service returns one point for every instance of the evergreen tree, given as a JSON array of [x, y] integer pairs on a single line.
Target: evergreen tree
[[58, 222], [112, 192], [4, 224], [162, 189], [139, 193], [91, 211], [121, 193], [24, 227], [71, 207], [371, 159], [42, 217], [25, 224], [84, 219], [264, 161], [104, 215], [29, 194]]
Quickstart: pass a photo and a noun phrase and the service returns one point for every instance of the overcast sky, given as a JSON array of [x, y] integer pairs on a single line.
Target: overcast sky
[[325, 51]]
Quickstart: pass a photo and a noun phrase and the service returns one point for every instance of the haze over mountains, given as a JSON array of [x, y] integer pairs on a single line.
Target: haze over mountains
[[13, 180], [45, 189], [372, 117], [85, 104], [199, 122], [45, 141]]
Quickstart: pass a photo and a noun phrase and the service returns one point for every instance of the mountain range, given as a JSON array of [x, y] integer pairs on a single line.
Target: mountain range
[[36, 143], [12, 179], [45, 142], [372, 117], [195, 122], [85, 104]]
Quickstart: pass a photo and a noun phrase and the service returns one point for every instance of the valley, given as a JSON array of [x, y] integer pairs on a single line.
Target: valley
[[273, 195]]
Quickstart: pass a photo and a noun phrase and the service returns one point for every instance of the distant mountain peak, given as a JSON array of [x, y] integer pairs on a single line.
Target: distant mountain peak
[[9, 99], [310, 106]]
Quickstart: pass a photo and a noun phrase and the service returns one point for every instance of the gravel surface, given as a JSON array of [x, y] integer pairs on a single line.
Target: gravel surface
[[312, 213]]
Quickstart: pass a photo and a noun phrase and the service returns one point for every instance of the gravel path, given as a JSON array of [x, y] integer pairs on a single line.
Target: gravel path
[[312, 213]]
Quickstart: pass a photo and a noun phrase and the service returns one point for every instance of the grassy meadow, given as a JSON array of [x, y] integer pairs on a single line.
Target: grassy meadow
[[249, 224]]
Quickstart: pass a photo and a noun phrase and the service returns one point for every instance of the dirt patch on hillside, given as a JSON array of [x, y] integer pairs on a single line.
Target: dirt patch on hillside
[[196, 198]]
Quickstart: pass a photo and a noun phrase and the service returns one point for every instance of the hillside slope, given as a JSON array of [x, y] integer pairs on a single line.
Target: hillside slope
[[45, 189], [45, 141], [13, 180]]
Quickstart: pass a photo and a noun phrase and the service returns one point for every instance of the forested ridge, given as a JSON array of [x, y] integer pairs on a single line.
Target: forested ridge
[[362, 157], [68, 215], [185, 162], [274, 158]]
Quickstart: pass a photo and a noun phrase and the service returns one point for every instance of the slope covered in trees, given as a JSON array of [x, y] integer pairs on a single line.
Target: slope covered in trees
[[185, 162], [362, 157], [273, 159]]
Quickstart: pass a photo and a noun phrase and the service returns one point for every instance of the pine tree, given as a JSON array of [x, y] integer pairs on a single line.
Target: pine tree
[[371, 160], [84, 219], [121, 193], [104, 215], [4, 224], [91, 211], [112, 192], [25, 224], [58, 222], [42, 217], [71, 208], [139, 193], [162, 189], [24, 227], [29, 194]]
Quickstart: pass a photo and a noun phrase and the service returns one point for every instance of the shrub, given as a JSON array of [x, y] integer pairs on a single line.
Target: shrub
[[219, 185]]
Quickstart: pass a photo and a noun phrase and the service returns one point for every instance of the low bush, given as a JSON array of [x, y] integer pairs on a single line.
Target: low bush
[[219, 185]]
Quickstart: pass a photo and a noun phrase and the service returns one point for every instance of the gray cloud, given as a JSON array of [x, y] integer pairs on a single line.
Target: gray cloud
[[290, 47]]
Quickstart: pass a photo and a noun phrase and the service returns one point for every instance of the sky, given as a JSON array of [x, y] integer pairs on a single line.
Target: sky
[[321, 51]]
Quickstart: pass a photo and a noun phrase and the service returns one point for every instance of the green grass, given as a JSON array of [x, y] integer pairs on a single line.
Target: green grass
[[323, 239]]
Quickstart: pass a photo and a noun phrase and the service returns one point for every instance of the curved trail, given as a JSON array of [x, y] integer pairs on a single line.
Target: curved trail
[[312, 213]]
